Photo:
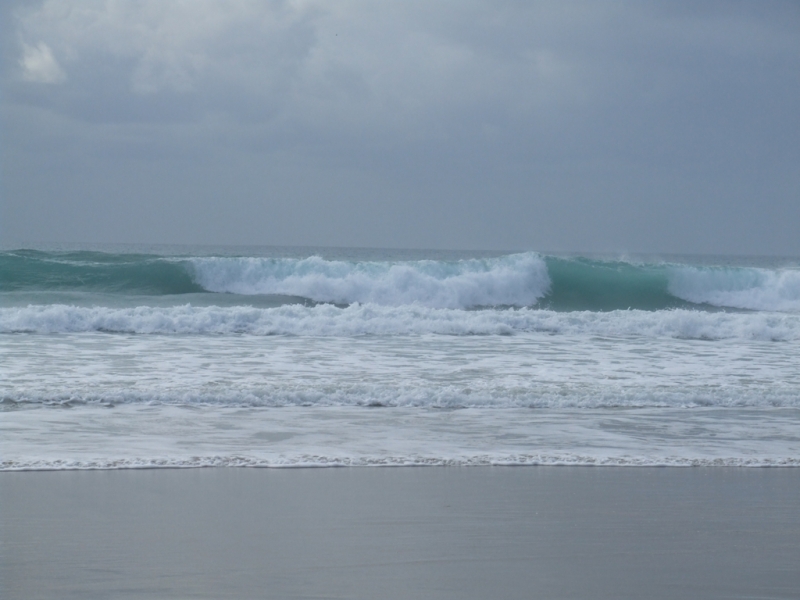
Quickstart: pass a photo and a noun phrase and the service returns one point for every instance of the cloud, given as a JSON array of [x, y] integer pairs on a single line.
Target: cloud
[[39, 65], [404, 72], [405, 69], [532, 80], [174, 46], [543, 123]]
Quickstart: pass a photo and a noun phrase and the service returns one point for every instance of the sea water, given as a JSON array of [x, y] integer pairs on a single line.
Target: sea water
[[116, 357]]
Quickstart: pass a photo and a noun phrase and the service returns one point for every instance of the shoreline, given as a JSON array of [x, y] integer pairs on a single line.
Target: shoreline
[[788, 464], [163, 436], [502, 532]]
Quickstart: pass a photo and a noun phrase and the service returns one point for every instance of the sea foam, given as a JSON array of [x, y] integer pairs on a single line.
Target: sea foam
[[333, 437], [746, 288], [515, 280], [371, 319]]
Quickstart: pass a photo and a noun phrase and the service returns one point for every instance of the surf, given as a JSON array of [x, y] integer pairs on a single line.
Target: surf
[[522, 280], [370, 320]]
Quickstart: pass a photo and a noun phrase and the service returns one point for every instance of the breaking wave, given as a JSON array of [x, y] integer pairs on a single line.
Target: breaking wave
[[753, 289], [515, 280], [360, 319]]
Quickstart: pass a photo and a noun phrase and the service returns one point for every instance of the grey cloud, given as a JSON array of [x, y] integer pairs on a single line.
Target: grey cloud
[[655, 126]]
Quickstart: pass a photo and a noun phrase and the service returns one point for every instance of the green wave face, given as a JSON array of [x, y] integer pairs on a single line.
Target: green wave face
[[94, 271], [584, 284], [517, 280]]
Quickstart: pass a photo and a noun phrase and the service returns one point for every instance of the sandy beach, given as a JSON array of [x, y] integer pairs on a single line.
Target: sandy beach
[[485, 532]]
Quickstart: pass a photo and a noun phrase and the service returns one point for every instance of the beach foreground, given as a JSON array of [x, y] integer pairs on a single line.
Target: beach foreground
[[483, 532]]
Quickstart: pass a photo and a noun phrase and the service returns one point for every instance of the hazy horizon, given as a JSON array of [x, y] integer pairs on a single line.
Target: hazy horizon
[[395, 253]]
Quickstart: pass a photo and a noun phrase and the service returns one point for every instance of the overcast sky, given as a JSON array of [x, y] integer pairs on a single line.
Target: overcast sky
[[569, 126]]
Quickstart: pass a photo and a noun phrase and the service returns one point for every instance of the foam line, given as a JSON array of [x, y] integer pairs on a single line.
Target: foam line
[[322, 461], [358, 319]]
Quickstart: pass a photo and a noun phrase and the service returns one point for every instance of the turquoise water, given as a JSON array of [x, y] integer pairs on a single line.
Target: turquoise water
[[123, 357], [434, 280]]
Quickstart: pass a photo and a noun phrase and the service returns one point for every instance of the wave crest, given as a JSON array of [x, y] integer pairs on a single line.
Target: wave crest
[[752, 289], [515, 280]]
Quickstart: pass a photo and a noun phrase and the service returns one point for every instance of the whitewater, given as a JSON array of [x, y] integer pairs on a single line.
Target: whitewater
[[120, 357]]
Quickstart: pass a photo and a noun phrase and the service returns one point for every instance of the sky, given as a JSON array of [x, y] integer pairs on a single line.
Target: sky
[[650, 127]]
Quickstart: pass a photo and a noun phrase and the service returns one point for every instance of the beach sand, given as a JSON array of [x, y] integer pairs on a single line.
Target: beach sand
[[385, 533]]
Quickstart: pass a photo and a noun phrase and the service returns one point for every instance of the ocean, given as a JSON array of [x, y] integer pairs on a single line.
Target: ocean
[[143, 357]]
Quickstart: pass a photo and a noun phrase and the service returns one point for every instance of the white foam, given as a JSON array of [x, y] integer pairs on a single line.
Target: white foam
[[357, 319], [416, 460], [515, 280], [163, 437], [393, 397], [753, 289], [526, 370]]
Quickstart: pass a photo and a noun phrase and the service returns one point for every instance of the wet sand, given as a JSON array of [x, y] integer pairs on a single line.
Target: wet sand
[[385, 533]]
